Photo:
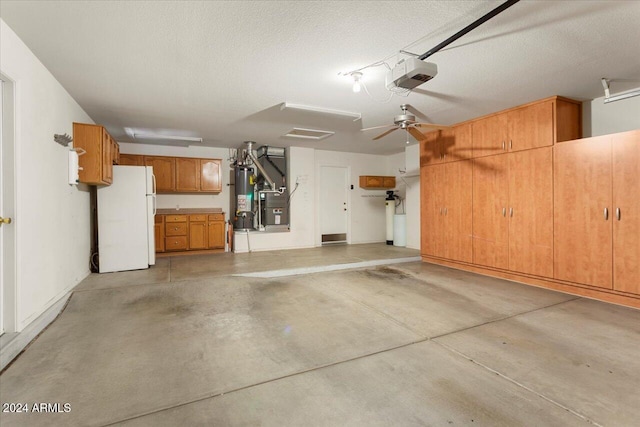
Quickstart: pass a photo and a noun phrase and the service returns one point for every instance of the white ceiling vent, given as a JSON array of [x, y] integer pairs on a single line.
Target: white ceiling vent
[[309, 133]]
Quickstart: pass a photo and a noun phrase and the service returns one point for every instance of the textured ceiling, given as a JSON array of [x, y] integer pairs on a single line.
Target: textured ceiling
[[220, 70]]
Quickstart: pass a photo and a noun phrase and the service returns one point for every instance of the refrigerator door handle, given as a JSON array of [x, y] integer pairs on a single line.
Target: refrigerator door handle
[[154, 186], [155, 210]]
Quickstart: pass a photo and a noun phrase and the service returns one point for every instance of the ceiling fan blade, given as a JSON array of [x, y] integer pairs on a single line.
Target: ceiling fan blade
[[378, 127], [430, 125], [416, 133], [386, 133]]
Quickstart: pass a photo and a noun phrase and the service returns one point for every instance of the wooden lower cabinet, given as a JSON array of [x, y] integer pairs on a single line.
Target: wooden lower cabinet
[[216, 235], [198, 235], [193, 232], [158, 229]]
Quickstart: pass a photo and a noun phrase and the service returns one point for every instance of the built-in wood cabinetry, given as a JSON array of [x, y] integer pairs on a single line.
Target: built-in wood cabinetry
[[369, 182], [490, 201], [198, 234], [216, 232], [534, 125], [597, 211], [546, 208], [180, 174], [131, 160], [191, 232], [158, 229], [446, 145], [513, 211], [164, 169], [446, 209], [101, 153]]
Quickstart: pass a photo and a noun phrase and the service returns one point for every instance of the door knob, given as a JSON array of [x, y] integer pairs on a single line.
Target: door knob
[[4, 221]]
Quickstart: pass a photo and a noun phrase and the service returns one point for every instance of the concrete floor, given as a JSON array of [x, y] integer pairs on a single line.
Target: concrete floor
[[188, 343]]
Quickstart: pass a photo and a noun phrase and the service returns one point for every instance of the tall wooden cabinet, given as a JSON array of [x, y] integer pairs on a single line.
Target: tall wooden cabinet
[[490, 206], [597, 211], [531, 212], [446, 206]]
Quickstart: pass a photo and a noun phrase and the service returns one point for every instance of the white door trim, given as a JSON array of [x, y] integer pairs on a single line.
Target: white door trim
[[9, 206]]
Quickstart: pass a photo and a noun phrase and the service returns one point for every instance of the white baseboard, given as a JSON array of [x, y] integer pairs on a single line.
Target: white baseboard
[[12, 344]]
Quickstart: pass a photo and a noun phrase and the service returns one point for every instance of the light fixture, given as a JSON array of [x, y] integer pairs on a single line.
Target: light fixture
[[356, 81], [166, 137], [607, 94]]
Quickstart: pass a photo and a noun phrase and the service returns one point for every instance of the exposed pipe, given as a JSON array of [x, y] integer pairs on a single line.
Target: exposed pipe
[[504, 6], [264, 173]]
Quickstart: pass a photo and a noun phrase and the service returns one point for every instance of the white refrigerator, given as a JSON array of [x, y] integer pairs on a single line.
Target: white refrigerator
[[126, 211]]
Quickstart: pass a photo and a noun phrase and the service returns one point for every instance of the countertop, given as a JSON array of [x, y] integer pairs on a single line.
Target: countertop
[[187, 211]]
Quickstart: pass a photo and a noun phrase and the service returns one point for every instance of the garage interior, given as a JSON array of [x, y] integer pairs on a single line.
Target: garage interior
[[319, 213]]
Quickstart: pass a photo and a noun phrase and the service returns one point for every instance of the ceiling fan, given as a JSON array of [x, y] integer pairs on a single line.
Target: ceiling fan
[[408, 123]]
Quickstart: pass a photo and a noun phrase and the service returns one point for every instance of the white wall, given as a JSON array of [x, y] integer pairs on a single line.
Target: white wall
[[599, 118], [51, 217]]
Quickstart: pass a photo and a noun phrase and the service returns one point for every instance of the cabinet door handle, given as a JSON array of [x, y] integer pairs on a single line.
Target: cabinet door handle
[[618, 214], [511, 212], [504, 211], [445, 211], [606, 214], [503, 145], [511, 144]]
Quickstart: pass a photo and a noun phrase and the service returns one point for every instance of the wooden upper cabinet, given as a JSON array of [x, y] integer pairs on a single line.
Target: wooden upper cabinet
[[539, 124], [430, 149], [164, 169], [490, 135], [187, 174], [131, 160], [369, 182], [531, 212], [211, 175], [530, 126], [583, 214], [626, 211], [456, 143], [100, 153]]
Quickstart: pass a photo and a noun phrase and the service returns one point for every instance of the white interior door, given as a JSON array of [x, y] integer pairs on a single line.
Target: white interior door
[[7, 206], [334, 182]]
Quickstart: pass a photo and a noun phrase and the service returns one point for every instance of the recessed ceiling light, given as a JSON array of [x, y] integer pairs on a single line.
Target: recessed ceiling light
[[309, 133]]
